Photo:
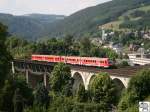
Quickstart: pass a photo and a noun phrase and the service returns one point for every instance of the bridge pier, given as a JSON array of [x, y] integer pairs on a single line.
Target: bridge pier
[[45, 80], [13, 67], [27, 76]]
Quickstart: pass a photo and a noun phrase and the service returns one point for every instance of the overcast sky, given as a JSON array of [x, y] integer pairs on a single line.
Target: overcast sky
[[63, 7]]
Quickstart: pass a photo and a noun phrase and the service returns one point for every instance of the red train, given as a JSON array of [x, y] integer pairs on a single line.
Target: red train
[[75, 60]]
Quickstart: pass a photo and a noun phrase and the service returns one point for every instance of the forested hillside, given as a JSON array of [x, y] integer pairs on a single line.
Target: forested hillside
[[87, 21], [120, 13], [30, 26]]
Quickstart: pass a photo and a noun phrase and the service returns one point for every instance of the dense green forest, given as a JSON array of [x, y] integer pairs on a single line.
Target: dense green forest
[[23, 49]]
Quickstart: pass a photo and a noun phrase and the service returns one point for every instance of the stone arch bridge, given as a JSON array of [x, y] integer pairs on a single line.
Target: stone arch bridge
[[40, 71]]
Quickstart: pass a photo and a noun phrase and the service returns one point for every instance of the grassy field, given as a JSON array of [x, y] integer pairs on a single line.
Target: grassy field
[[114, 25]]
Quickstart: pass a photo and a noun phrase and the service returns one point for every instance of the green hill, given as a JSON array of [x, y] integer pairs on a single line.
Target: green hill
[[132, 19], [116, 14], [30, 26], [87, 21]]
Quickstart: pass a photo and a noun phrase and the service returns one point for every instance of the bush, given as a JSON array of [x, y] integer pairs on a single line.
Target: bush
[[140, 84], [35, 108], [7, 93], [138, 90], [61, 104]]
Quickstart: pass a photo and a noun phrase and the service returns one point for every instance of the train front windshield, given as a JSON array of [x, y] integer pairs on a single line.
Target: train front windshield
[[111, 62]]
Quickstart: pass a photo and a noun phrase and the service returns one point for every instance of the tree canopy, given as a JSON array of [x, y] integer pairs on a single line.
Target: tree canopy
[[61, 75], [102, 90], [4, 55], [138, 90]]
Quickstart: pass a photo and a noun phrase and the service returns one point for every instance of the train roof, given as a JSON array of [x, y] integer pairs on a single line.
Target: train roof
[[71, 56]]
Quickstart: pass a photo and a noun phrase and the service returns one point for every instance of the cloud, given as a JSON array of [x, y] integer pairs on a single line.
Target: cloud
[[45, 6]]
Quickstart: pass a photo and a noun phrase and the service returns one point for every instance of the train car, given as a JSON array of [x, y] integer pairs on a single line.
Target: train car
[[106, 62], [48, 58], [75, 60], [100, 62], [38, 57], [57, 58]]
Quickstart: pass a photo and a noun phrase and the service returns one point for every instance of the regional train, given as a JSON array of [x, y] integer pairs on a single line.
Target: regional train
[[75, 60]]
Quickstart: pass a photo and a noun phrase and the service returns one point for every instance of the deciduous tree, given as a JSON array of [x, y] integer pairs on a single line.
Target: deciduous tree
[[61, 75], [102, 90], [4, 55]]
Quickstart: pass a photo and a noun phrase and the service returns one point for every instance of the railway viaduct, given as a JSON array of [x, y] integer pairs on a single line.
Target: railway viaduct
[[41, 71]]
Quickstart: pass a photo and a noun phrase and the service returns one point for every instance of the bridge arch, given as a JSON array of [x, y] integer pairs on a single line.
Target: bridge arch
[[119, 86], [118, 83], [121, 80], [78, 79]]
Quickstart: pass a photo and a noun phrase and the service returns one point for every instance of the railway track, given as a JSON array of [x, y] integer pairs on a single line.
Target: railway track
[[124, 71]]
